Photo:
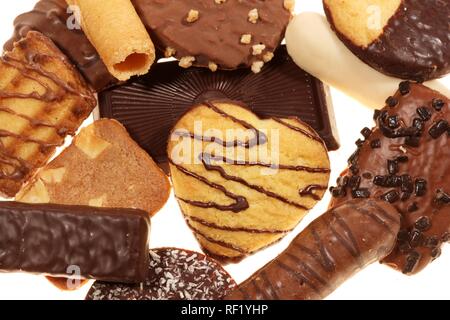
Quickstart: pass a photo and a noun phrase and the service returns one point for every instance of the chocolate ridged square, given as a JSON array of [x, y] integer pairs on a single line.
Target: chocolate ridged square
[[150, 105]]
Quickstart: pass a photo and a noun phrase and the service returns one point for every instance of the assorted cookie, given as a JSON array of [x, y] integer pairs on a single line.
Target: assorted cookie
[[52, 19], [103, 167], [407, 39], [326, 253], [42, 100], [243, 182], [217, 34], [150, 105], [107, 244], [403, 161], [317, 52], [244, 134], [173, 274]]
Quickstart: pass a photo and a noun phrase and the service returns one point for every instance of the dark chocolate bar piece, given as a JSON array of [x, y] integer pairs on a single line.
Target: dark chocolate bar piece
[[53, 19], [60, 240], [150, 105]]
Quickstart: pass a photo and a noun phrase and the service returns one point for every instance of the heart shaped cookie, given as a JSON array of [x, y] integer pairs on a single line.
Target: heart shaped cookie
[[243, 182]]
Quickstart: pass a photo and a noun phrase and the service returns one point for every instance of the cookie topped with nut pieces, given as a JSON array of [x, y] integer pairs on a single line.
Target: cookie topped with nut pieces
[[218, 34]]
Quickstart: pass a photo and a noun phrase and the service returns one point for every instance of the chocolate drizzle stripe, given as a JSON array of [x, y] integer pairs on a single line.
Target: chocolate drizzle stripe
[[308, 269], [260, 292], [300, 278], [267, 165], [240, 229], [5, 133], [220, 243], [302, 131], [309, 191], [259, 189], [273, 292], [324, 260], [375, 217], [347, 240]]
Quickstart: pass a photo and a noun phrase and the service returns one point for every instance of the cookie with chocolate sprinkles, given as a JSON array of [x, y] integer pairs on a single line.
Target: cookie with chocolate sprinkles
[[406, 155], [174, 274]]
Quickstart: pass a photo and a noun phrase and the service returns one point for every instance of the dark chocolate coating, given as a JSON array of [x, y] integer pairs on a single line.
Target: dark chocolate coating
[[106, 244], [151, 105], [173, 274], [327, 253], [415, 43], [215, 36], [50, 17], [404, 160]]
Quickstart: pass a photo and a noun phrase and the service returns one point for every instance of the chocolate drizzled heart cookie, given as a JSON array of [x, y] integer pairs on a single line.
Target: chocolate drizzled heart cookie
[[404, 161], [407, 39], [225, 34], [242, 182]]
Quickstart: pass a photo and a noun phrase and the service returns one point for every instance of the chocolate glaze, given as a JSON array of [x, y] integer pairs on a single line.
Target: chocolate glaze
[[241, 203], [328, 252], [215, 36], [50, 18], [151, 105], [17, 170], [106, 244], [415, 43], [414, 183], [174, 274]]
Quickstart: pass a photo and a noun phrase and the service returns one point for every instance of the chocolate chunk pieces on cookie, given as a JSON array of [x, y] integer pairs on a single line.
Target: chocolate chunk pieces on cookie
[[217, 34]]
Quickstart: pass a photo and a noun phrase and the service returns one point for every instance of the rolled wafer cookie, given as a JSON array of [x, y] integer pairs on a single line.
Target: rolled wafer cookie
[[328, 252], [323, 55], [116, 31]]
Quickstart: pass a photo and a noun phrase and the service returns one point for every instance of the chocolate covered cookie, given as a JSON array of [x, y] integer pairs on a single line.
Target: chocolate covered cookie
[[243, 182], [54, 19], [327, 253], [173, 274], [217, 34], [407, 39], [404, 161]]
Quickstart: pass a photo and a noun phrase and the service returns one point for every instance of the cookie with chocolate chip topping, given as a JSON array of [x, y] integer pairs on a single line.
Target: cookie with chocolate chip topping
[[407, 39], [174, 274], [211, 32], [405, 162]]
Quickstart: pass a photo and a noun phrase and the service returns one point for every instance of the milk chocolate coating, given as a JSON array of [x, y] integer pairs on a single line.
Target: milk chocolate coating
[[151, 105], [105, 244], [404, 160], [51, 18], [415, 43], [327, 253], [215, 36]]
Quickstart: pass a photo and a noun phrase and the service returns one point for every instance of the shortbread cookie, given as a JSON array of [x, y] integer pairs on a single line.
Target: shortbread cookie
[[407, 39], [217, 34], [250, 181], [42, 100], [404, 161], [174, 274], [328, 252], [103, 167]]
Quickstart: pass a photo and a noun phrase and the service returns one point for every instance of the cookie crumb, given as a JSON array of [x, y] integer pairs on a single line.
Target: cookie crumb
[[192, 16], [212, 66], [258, 49], [186, 62], [289, 5], [246, 38], [253, 15], [268, 56], [257, 66], [169, 52]]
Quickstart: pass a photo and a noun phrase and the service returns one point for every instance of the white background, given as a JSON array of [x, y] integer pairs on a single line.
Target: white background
[[169, 228]]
